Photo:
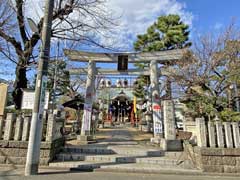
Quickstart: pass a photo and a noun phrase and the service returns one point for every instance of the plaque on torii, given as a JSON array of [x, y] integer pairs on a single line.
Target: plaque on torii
[[122, 59]]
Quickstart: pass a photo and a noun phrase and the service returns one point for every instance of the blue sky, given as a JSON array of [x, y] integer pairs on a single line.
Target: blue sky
[[209, 15]]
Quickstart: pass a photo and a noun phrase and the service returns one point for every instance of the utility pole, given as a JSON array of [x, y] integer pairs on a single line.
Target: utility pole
[[34, 143]]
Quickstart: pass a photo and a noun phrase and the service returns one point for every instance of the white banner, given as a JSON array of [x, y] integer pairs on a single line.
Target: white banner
[[157, 121], [87, 117]]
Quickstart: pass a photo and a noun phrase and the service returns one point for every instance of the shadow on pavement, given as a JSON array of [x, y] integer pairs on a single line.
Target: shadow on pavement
[[10, 172]]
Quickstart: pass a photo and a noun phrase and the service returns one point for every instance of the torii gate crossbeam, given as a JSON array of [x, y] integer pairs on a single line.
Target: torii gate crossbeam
[[162, 57]]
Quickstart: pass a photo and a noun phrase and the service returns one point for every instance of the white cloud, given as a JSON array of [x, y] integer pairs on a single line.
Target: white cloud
[[135, 17], [138, 15], [34, 9]]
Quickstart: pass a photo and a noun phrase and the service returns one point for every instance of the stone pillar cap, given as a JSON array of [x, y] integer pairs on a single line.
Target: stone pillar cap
[[216, 118]]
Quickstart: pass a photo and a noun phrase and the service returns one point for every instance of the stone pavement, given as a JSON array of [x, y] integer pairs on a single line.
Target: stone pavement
[[121, 134], [8, 173]]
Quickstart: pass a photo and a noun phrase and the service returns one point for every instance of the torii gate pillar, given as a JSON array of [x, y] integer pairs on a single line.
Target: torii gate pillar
[[156, 104], [89, 96]]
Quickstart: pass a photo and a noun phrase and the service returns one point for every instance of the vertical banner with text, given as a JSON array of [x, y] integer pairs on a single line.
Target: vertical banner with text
[[157, 119], [87, 117]]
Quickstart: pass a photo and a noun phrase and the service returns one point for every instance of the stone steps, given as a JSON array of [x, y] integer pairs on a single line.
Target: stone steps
[[173, 154], [165, 162], [113, 156], [138, 151], [90, 166], [123, 150], [146, 168], [123, 159], [95, 158], [79, 165], [88, 150]]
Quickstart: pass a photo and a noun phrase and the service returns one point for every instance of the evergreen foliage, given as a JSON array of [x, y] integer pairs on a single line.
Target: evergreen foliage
[[168, 32]]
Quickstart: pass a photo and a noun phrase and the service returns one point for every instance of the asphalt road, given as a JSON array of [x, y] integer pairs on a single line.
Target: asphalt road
[[11, 174]]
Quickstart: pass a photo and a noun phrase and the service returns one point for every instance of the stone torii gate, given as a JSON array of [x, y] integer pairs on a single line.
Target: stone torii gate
[[161, 129]]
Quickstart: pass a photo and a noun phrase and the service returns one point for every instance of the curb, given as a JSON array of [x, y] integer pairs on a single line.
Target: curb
[[166, 172], [139, 171]]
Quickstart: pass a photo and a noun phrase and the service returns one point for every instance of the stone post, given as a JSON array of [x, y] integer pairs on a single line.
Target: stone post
[[3, 97], [18, 128], [26, 128], [201, 132], [8, 131], [156, 104], [87, 113], [51, 125], [1, 126], [168, 89], [211, 133], [228, 134], [236, 134], [169, 120], [219, 130]]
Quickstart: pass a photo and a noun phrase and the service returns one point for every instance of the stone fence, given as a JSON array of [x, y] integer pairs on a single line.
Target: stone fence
[[14, 135], [217, 134], [218, 146]]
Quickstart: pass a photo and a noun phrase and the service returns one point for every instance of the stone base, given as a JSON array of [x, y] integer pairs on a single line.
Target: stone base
[[145, 128], [156, 140], [171, 145], [87, 139], [100, 126], [107, 124], [15, 152]]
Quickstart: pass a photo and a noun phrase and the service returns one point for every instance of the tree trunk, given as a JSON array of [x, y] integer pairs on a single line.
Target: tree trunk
[[20, 82]]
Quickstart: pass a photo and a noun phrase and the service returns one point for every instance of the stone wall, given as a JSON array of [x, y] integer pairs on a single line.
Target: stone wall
[[218, 160], [15, 152], [14, 134]]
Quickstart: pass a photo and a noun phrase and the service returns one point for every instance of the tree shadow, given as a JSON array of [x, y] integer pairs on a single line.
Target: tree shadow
[[10, 172]]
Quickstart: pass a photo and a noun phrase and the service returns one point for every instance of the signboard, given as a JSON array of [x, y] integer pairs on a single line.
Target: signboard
[[156, 107], [122, 62], [87, 115], [157, 119], [28, 99], [3, 97]]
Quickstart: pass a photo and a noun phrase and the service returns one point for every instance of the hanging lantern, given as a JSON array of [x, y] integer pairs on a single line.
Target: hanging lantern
[[135, 83], [119, 83], [108, 83], [125, 83], [102, 83]]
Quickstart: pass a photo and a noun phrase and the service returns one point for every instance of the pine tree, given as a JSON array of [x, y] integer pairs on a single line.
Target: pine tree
[[168, 32], [139, 86]]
